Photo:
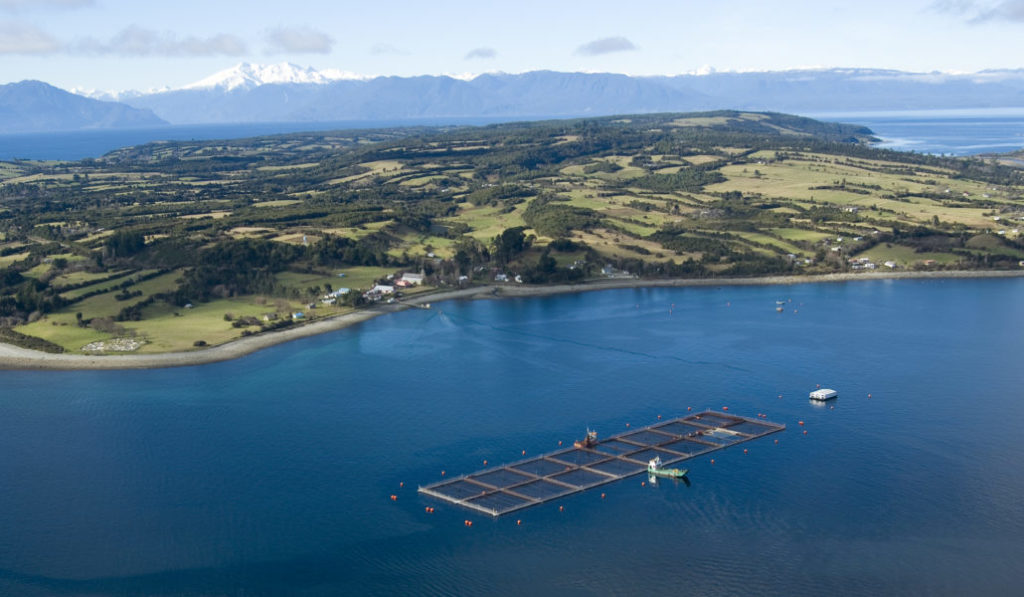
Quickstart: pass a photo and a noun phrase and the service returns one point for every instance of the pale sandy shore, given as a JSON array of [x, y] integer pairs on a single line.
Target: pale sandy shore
[[13, 357]]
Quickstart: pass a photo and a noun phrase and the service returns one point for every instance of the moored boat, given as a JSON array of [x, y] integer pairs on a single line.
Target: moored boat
[[654, 468]]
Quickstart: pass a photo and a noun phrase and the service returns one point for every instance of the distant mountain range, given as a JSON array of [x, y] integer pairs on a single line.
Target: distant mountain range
[[289, 93], [34, 106]]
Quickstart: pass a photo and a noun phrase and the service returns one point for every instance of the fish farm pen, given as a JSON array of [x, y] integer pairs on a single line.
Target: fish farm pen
[[503, 489]]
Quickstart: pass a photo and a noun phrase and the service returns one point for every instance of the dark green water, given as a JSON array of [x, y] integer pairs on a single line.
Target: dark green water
[[271, 475]]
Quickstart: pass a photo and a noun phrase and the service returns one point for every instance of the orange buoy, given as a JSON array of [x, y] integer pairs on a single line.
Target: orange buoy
[[524, 452], [442, 473], [427, 509], [805, 432], [485, 463], [561, 508], [712, 461], [602, 496], [519, 522], [800, 422], [659, 417], [689, 408], [394, 498], [643, 483], [725, 408], [776, 441], [559, 442], [401, 484]]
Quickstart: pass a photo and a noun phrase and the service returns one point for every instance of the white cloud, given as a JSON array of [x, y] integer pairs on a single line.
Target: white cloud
[[606, 45], [982, 12], [298, 40], [386, 49], [481, 53], [21, 38], [137, 41], [18, 5], [1008, 10]]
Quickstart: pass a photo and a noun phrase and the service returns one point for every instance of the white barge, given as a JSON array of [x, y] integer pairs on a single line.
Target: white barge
[[824, 394]]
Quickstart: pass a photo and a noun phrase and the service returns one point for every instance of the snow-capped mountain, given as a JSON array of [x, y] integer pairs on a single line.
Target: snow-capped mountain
[[290, 93], [248, 76]]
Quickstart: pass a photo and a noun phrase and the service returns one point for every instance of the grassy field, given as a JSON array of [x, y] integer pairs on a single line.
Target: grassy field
[[904, 256]]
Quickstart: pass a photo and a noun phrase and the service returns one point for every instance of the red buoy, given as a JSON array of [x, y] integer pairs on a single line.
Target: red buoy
[[394, 498]]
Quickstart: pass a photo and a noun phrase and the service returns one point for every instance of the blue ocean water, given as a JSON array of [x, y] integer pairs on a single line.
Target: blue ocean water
[[943, 132], [271, 474]]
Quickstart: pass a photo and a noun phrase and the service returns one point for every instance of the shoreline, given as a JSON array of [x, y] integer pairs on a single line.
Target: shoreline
[[17, 358]]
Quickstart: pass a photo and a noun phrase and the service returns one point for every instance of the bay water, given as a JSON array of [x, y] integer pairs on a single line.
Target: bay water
[[273, 474]]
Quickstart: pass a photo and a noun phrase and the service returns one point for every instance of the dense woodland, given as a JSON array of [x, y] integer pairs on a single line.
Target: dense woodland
[[165, 225]]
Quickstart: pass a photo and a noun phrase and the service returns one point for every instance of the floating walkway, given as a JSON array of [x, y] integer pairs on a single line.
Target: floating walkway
[[503, 489]]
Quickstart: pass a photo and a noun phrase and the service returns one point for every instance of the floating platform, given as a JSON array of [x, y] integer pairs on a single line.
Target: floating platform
[[504, 489], [824, 394]]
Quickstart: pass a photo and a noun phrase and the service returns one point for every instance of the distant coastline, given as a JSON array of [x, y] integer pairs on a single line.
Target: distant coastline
[[16, 358]]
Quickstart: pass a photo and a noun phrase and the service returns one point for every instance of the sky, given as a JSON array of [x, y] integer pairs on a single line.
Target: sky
[[146, 44]]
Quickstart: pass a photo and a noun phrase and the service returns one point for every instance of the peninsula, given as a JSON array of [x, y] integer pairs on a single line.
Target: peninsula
[[188, 252]]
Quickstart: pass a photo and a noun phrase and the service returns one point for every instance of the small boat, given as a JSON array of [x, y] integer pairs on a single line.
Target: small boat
[[587, 442], [654, 468]]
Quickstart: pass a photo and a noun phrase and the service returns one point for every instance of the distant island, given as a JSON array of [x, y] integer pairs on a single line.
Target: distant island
[[181, 246]]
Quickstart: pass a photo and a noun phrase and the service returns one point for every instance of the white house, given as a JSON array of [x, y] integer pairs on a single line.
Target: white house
[[413, 279]]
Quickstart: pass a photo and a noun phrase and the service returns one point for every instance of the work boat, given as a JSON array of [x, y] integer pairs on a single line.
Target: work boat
[[587, 442], [654, 468]]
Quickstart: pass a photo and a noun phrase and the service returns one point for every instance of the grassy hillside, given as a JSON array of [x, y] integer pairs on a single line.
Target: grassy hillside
[[187, 244]]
